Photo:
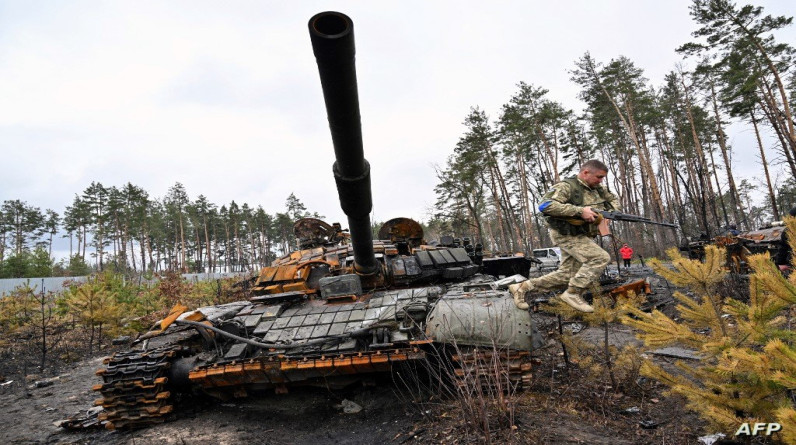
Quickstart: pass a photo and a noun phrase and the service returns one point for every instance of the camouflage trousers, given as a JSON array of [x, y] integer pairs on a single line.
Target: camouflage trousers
[[582, 263]]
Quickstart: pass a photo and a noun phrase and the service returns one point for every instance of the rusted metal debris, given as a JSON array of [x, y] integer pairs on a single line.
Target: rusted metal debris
[[739, 247]]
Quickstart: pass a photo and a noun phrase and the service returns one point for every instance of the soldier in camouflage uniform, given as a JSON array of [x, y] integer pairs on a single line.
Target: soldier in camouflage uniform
[[582, 260]]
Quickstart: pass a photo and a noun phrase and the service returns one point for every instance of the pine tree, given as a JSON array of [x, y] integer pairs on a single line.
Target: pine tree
[[95, 307], [95, 197], [29, 314], [175, 203], [748, 358], [23, 223], [729, 31]]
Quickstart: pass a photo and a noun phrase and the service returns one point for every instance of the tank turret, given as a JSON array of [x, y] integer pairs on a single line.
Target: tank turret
[[332, 36]]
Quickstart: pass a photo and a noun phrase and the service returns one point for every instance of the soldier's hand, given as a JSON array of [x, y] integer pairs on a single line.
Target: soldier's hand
[[588, 214]]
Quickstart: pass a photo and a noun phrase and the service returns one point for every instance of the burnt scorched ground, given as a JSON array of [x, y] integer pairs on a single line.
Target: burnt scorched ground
[[560, 408], [556, 411], [29, 414]]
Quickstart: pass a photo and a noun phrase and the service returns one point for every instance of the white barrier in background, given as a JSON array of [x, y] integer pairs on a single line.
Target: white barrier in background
[[56, 284]]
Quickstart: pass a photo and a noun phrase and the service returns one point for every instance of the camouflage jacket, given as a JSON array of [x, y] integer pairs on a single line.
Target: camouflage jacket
[[568, 198]]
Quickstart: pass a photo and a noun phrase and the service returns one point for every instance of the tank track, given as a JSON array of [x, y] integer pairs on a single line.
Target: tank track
[[491, 371], [134, 391]]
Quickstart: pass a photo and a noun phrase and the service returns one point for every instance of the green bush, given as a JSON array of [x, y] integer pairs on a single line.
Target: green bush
[[27, 264]]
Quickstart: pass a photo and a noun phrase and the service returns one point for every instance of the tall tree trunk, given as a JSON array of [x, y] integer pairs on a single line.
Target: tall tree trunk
[[771, 194], [673, 198], [153, 265], [207, 243], [629, 125], [552, 155], [643, 152], [771, 101], [226, 247], [492, 243], [200, 257], [702, 217], [252, 250], [772, 114], [505, 201], [700, 152], [696, 192], [114, 238], [182, 245], [548, 176], [718, 187], [662, 236], [579, 150], [100, 242], [142, 246], [239, 249], [773, 69], [215, 255], [504, 244], [735, 199], [85, 242], [526, 204], [132, 254]]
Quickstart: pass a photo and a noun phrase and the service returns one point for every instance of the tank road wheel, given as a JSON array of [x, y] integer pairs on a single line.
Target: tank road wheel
[[491, 371], [134, 391]]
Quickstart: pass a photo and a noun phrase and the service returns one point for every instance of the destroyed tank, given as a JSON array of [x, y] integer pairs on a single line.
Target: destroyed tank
[[343, 307], [739, 246]]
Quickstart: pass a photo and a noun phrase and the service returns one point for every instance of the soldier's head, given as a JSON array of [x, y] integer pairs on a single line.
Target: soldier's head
[[592, 172]]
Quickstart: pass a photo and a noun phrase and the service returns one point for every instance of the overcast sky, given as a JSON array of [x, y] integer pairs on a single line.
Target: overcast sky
[[224, 97]]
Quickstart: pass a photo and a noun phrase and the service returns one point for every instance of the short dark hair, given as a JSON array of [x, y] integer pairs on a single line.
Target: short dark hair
[[594, 165]]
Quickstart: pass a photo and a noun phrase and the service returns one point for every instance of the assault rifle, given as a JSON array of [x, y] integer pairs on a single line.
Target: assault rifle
[[618, 216]]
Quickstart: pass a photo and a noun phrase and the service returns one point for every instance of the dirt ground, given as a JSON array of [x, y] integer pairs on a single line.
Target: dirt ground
[[557, 410], [29, 414], [549, 415]]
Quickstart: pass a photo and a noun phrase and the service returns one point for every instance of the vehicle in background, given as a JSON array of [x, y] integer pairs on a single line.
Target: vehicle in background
[[549, 257]]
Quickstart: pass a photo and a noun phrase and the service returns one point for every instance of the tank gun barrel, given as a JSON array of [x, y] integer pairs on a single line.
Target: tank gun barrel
[[332, 36]]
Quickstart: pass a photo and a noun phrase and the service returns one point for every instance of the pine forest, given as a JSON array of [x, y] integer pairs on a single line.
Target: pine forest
[[666, 145]]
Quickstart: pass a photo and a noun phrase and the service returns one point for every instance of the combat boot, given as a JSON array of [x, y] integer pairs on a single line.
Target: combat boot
[[518, 291], [572, 297]]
